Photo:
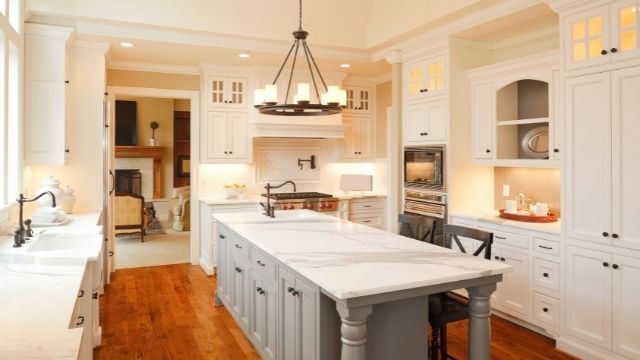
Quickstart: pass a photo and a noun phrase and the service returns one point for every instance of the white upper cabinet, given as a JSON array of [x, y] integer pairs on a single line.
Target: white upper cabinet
[[425, 78], [225, 138], [601, 35], [482, 107], [602, 174], [625, 112], [425, 123], [45, 94], [588, 144], [226, 92], [359, 139], [359, 100]]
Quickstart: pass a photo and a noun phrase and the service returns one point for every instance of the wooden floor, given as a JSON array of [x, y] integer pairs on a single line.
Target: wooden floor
[[167, 312]]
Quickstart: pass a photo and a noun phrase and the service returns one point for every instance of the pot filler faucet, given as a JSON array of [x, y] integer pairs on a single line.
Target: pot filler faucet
[[270, 210], [20, 233]]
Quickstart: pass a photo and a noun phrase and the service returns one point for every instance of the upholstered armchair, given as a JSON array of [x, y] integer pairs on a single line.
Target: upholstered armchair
[[129, 214], [179, 209]]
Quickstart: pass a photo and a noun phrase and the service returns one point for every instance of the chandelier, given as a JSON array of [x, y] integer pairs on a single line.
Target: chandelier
[[329, 102]]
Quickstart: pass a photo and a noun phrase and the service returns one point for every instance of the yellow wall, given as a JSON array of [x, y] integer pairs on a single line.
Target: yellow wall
[[161, 111], [152, 80], [181, 105]]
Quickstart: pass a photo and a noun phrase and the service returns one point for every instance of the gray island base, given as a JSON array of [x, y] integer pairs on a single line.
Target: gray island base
[[309, 286]]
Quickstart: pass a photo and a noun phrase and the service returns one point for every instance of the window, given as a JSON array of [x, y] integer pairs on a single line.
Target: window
[[11, 50]]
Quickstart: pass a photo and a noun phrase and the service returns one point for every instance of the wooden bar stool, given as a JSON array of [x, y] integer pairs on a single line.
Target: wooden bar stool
[[445, 308]]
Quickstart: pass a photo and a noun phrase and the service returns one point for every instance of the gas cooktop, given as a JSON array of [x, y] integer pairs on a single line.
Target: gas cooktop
[[297, 195]]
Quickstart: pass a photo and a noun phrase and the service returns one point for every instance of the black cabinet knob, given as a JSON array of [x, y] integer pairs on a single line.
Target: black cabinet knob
[[503, 259], [614, 50], [545, 275], [95, 295], [238, 270], [604, 52], [81, 293], [230, 152], [605, 234], [496, 257], [545, 309], [80, 320], [487, 151], [66, 81], [221, 236], [605, 264], [226, 152], [615, 266], [556, 150], [66, 150], [615, 236]]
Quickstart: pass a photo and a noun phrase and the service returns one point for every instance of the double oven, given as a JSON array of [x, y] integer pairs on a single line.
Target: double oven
[[424, 185]]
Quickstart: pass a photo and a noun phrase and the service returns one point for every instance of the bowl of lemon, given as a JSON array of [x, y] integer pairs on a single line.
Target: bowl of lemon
[[234, 191]]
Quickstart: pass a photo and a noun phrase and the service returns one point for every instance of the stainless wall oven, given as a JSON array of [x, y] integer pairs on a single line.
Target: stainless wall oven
[[424, 167], [429, 204]]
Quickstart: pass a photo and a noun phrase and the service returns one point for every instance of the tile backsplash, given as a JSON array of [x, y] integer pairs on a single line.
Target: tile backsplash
[[540, 185], [276, 160]]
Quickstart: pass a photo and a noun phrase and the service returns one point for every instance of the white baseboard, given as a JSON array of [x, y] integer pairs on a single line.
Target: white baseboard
[[585, 351], [97, 337], [206, 267]]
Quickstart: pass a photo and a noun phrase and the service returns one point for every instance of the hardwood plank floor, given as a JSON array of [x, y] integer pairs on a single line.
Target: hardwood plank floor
[[167, 312]]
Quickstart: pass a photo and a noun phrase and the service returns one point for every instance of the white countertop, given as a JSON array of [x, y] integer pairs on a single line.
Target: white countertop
[[349, 260], [38, 291], [493, 217], [221, 201], [358, 196]]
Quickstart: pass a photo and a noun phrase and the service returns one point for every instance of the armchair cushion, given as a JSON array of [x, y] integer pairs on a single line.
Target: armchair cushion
[[179, 212]]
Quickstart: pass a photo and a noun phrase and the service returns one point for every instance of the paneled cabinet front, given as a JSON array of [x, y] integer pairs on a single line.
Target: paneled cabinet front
[[359, 138], [513, 293], [298, 318], [482, 107], [45, 87], [425, 123], [263, 322], [226, 92], [359, 100], [602, 127], [601, 35], [225, 138]]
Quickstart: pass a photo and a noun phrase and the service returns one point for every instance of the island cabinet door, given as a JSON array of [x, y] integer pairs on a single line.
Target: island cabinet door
[[223, 268], [298, 320], [263, 318], [239, 292], [626, 297]]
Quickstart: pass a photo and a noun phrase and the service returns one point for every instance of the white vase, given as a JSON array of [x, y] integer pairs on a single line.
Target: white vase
[[153, 142], [49, 184], [68, 200]]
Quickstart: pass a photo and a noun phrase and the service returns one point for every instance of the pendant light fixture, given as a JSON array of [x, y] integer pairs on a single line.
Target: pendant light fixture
[[329, 102]]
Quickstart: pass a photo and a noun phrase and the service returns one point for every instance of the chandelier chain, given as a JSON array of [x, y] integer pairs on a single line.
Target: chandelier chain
[[300, 15]]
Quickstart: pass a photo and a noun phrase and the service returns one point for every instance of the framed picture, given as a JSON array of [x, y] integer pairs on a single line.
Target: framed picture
[[184, 166]]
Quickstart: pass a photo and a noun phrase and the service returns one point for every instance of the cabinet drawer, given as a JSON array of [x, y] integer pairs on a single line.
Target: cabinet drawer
[[366, 204], [373, 220], [511, 239], [547, 247], [238, 247], [546, 274], [546, 309], [262, 265]]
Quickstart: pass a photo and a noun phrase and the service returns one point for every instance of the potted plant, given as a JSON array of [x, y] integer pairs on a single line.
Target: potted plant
[[154, 126]]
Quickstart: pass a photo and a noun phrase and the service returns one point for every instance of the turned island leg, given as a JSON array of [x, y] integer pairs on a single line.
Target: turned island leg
[[480, 321], [353, 330]]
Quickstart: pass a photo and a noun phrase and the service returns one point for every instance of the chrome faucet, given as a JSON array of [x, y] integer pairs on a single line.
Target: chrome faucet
[[270, 210], [20, 233]]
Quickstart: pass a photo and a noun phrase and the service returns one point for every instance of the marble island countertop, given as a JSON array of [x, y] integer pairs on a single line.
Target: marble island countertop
[[348, 260], [39, 289]]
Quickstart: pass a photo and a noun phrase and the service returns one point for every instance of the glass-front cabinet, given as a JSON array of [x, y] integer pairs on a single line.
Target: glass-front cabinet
[[601, 35], [226, 92], [425, 78]]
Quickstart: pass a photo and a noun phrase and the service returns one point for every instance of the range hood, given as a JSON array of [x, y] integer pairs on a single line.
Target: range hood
[[329, 127]]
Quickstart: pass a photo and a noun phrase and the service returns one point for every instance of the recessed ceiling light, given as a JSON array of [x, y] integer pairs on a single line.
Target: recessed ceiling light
[[244, 55], [126, 44], [345, 66]]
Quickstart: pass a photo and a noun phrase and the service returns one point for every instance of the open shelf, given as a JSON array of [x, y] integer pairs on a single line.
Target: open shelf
[[524, 121]]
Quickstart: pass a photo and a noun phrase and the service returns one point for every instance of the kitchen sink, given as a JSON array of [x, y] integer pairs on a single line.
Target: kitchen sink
[[60, 242]]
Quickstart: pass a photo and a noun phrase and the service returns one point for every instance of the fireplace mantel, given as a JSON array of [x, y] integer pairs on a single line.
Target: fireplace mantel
[[154, 152]]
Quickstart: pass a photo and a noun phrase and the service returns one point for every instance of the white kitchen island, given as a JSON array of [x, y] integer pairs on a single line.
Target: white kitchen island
[[309, 286]]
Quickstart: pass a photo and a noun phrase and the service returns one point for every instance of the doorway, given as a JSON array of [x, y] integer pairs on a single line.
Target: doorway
[[166, 153]]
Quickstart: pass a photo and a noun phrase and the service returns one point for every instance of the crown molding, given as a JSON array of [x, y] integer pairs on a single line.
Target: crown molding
[[560, 6], [393, 56], [527, 37], [148, 67], [102, 46], [548, 58], [381, 79], [442, 33], [62, 32]]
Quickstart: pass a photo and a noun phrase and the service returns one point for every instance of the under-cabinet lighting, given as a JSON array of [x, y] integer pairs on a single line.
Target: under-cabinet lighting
[[345, 66], [126, 44], [244, 55]]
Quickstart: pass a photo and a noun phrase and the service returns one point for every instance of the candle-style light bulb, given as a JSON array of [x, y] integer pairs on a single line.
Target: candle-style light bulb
[[271, 94], [303, 92], [258, 97]]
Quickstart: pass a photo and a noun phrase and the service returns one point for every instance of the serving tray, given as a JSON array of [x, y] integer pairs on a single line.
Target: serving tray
[[552, 217]]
